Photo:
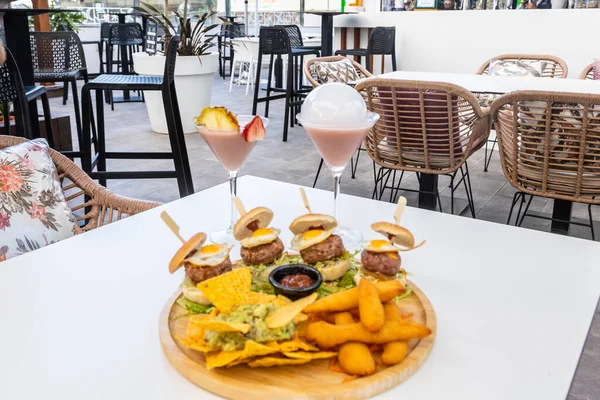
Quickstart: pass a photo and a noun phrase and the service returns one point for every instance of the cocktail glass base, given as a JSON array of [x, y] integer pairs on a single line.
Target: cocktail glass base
[[223, 237], [351, 237]]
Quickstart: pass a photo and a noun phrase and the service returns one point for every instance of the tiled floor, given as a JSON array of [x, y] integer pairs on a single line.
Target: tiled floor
[[296, 161]]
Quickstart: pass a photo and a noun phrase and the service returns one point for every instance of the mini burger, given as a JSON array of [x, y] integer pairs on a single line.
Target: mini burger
[[261, 247], [381, 259], [319, 247], [200, 263]]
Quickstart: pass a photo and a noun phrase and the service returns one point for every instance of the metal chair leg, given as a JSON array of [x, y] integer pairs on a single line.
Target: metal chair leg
[[525, 211], [318, 172], [65, 92], [516, 198], [48, 120], [591, 221], [487, 158]]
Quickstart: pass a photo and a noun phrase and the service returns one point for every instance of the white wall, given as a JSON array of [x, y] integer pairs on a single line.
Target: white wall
[[460, 41]]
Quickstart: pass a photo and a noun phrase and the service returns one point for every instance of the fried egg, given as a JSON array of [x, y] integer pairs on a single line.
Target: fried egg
[[309, 238], [209, 255], [380, 246], [260, 236]]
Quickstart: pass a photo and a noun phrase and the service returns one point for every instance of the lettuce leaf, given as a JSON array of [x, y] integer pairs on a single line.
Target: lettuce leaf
[[262, 287], [407, 293], [192, 307]]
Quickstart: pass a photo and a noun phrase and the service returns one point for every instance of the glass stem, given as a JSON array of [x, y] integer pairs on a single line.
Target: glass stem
[[336, 194], [233, 191]]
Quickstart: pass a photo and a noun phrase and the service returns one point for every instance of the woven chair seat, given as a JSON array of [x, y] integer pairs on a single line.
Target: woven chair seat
[[352, 52], [49, 76], [299, 51]]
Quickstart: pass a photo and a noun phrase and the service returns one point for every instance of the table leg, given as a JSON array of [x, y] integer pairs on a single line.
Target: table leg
[[427, 188], [16, 27], [326, 35], [562, 210]]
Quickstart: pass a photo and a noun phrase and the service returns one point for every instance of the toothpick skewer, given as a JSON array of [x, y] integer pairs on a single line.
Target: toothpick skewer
[[400, 209], [172, 225], [238, 204], [305, 200]]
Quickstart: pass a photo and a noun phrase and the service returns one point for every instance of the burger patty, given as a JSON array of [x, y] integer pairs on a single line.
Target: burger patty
[[380, 262], [263, 254], [199, 274], [330, 248]]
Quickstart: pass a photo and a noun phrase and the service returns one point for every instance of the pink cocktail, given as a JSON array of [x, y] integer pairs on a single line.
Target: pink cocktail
[[336, 119], [231, 148], [336, 146]]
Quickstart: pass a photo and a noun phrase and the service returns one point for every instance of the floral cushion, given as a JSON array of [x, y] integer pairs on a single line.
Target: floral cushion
[[335, 71], [596, 69], [510, 68], [33, 209]]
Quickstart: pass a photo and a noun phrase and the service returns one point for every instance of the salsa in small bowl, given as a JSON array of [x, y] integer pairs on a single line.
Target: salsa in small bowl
[[295, 280]]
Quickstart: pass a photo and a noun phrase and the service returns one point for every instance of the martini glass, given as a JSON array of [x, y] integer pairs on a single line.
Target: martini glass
[[337, 143], [231, 149]]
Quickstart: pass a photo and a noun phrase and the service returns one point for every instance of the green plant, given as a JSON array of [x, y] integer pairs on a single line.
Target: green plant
[[69, 22], [195, 40]]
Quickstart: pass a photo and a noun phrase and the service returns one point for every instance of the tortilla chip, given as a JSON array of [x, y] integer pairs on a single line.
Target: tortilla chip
[[223, 326], [231, 358], [259, 298], [194, 331], [301, 328], [310, 355], [229, 290], [280, 301], [194, 345], [293, 345], [222, 358], [300, 318], [271, 361], [284, 315]]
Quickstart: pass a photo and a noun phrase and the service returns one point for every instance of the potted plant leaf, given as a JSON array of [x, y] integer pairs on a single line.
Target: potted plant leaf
[[194, 69]]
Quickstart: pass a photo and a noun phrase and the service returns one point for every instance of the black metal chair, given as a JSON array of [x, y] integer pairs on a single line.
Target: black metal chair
[[275, 41], [59, 57], [13, 91], [178, 153], [226, 53], [299, 51], [381, 41], [127, 37]]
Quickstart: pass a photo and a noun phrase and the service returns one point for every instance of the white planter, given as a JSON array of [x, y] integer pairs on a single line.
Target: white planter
[[193, 82]]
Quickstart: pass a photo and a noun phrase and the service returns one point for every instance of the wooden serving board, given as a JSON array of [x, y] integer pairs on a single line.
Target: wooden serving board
[[307, 381]]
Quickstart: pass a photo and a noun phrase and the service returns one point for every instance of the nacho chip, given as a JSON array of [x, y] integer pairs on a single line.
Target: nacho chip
[[284, 315], [280, 301], [300, 318], [259, 298], [293, 345], [194, 345], [271, 361], [231, 358], [309, 355], [228, 290], [223, 326], [194, 331]]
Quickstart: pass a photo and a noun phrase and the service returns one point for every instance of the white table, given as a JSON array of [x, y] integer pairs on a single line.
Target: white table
[[500, 84], [80, 318]]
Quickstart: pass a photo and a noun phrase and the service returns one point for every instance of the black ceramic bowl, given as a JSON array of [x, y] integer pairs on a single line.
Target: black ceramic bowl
[[279, 273]]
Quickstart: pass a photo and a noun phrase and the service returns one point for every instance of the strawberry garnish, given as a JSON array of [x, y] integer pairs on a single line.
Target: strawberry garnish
[[255, 130]]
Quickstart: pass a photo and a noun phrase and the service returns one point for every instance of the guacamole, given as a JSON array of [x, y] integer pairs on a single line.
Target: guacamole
[[253, 314]]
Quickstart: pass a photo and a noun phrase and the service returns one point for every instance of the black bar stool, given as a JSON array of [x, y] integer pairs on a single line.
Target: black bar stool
[[13, 91], [59, 57], [274, 41], [299, 51], [381, 41], [178, 152]]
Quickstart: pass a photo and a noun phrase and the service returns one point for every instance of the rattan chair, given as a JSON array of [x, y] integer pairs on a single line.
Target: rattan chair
[[313, 78], [92, 204], [426, 128], [588, 72], [549, 145], [555, 68]]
